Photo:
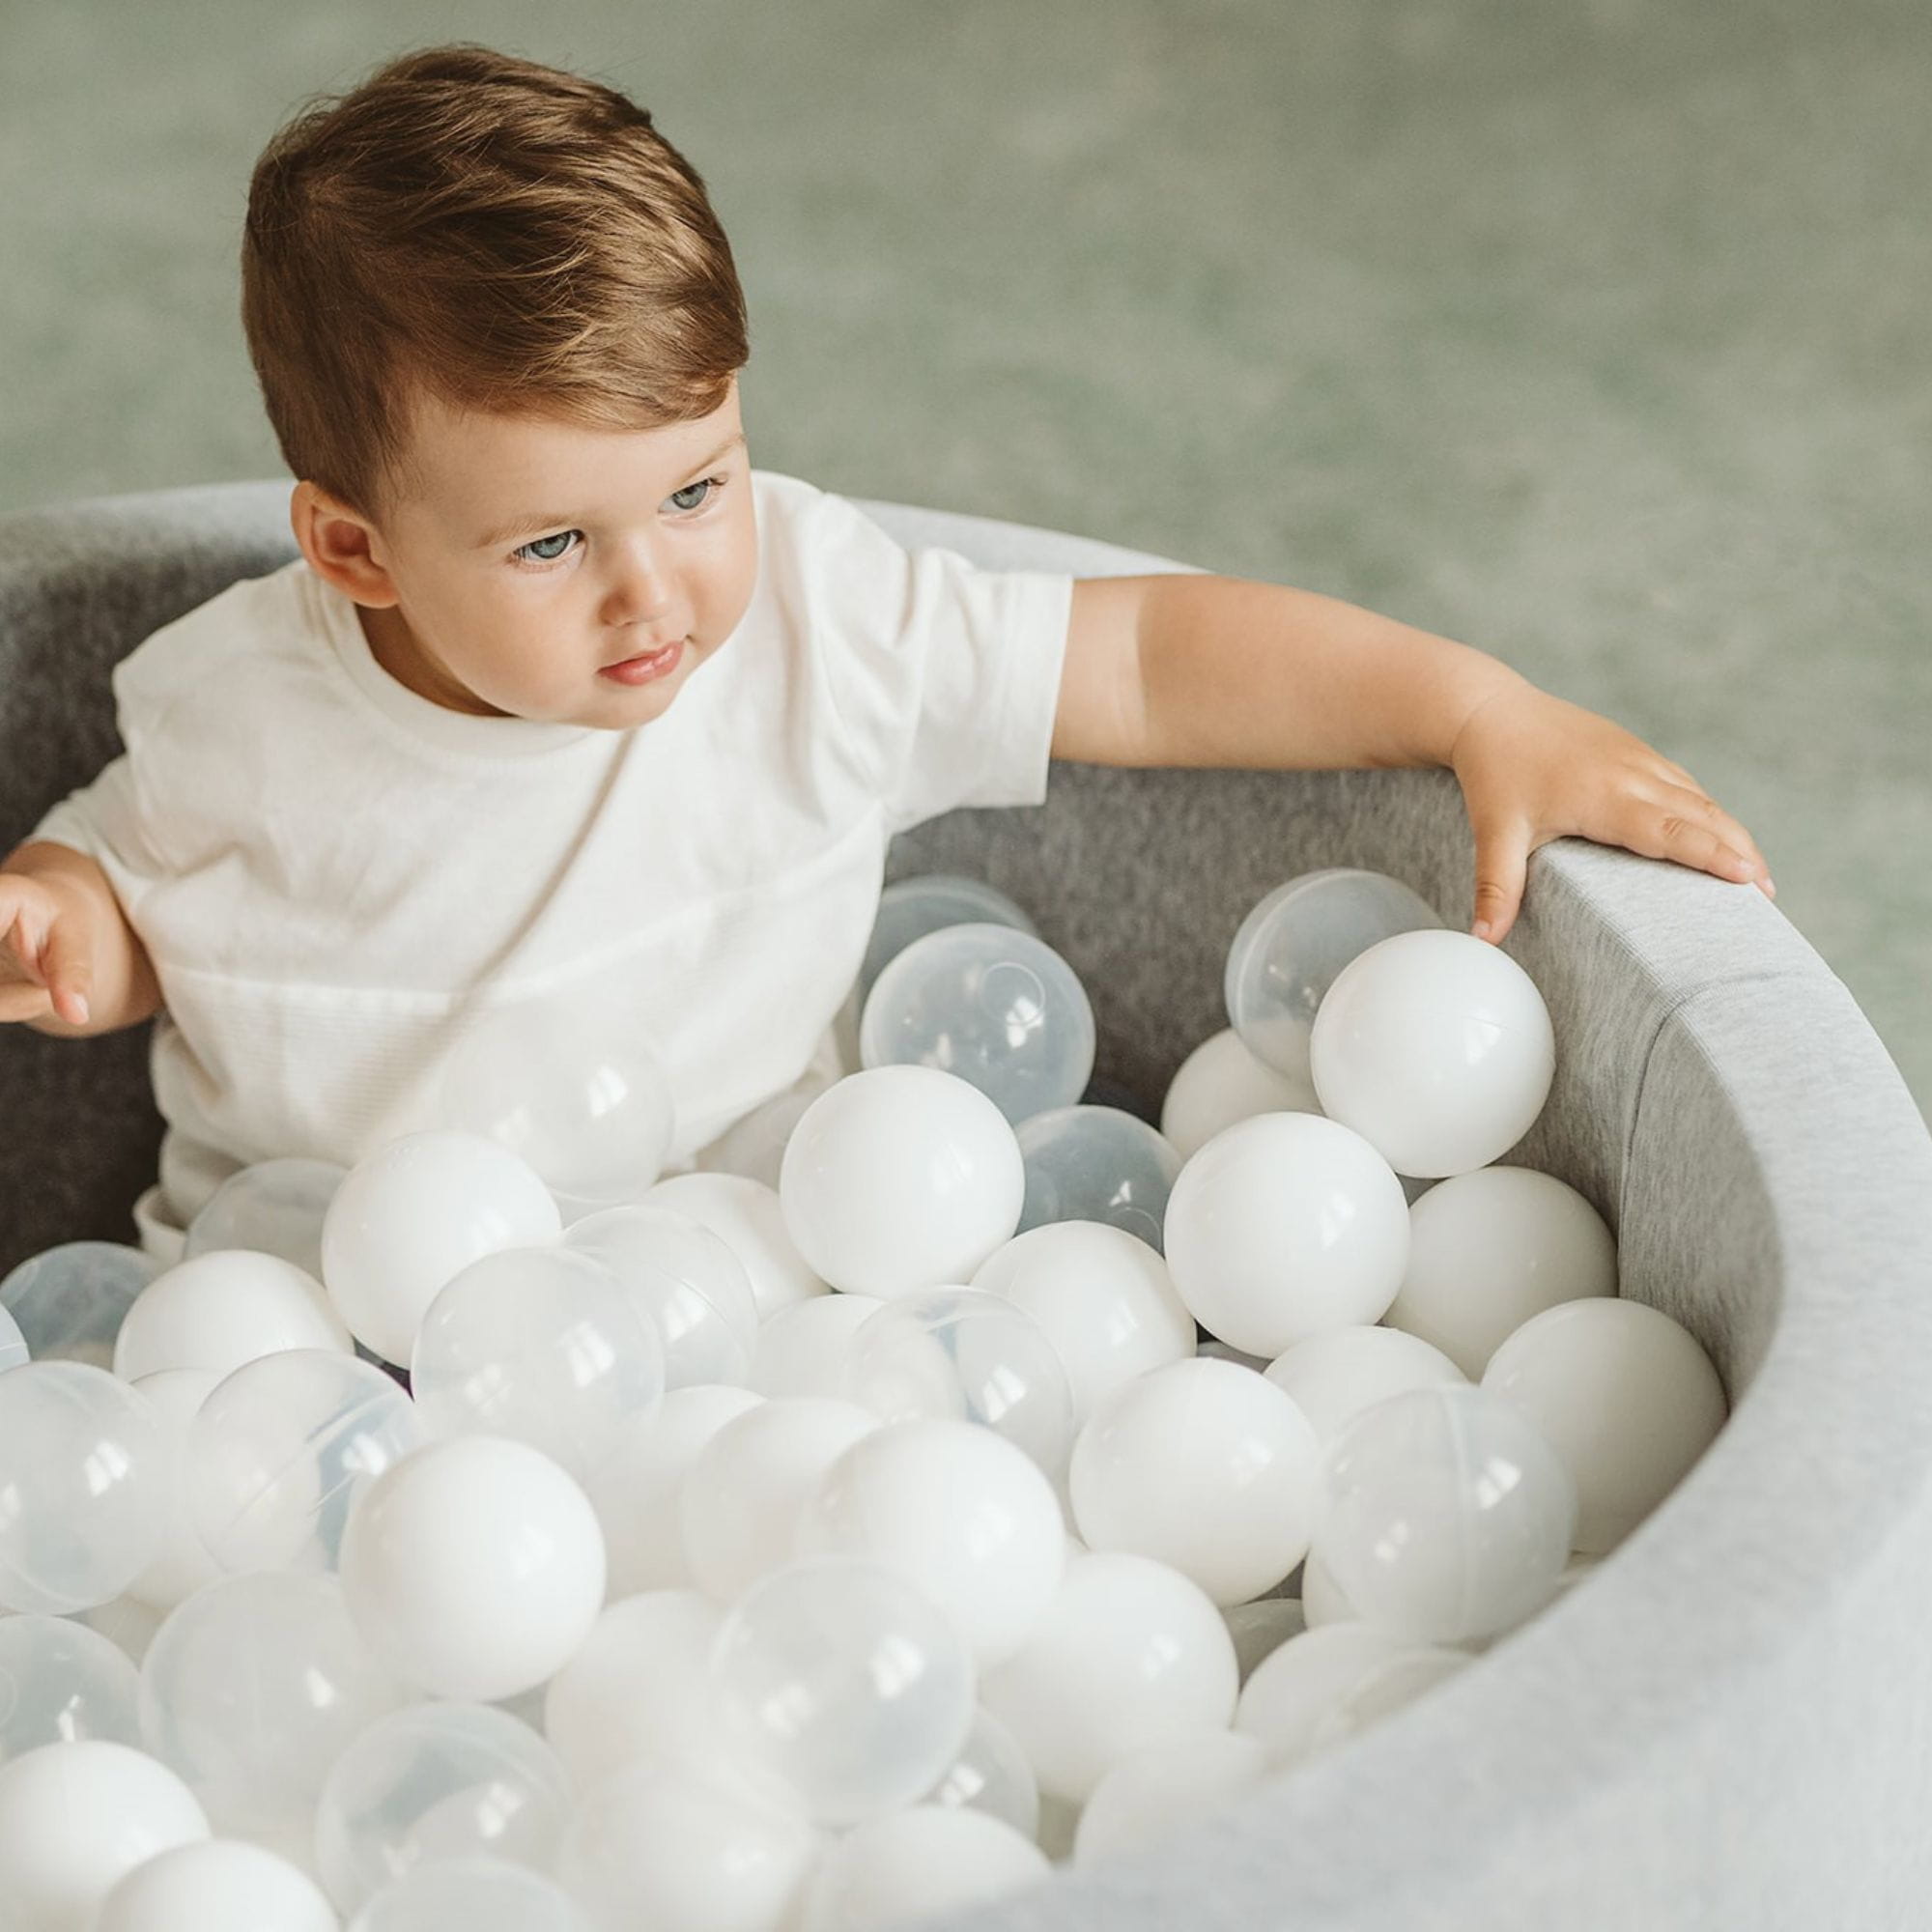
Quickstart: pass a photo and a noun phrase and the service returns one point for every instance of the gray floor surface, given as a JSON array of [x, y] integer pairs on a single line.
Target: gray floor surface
[[1592, 335]]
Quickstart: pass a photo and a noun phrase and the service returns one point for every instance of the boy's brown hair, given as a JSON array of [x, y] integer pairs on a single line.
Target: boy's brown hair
[[506, 236]]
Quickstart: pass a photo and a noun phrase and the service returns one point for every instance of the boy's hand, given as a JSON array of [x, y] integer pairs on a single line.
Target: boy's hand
[[44, 953], [1534, 767]]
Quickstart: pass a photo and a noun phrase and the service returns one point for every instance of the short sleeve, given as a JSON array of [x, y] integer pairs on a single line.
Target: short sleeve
[[106, 821], [947, 674]]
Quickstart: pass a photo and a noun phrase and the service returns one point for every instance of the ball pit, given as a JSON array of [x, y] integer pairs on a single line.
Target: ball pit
[[1718, 1717]]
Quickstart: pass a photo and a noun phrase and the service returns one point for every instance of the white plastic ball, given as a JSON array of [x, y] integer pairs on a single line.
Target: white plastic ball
[[1445, 1514], [12, 1344], [222, 1309], [1285, 1226], [475, 1567], [1163, 1788], [1436, 1048], [275, 1207], [1624, 1393], [747, 1216], [912, 1863], [413, 1213], [280, 1452], [1106, 1300], [844, 1687], [1293, 1687], [654, 1843], [1205, 1466], [688, 1279], [639, 1683], [1489, 1249], [991, 1774], [433, 1781], [251, 1688], [962, 1354], [74, 1819], [544, 1346], [83, 1505], [1335, 1375], [61, 1682], [471, 1895], [1128, 1652], [1294, 945], [69, 1302], [1222, 1082], [580, 1093], [1090, 1163], [216, 1885], [1383, 1690], [803, 1349], [992, 1005], [126, 1623], [961, 1513], [900, 1179], [747, 1488]]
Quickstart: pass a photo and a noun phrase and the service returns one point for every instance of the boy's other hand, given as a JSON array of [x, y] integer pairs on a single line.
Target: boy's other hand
[[44, 958], [1534, 767]]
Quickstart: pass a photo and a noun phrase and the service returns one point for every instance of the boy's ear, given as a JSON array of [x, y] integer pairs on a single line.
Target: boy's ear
[[337, 543]]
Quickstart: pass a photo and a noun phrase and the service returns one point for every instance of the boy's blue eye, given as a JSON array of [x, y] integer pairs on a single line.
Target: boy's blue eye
[[534, 551]]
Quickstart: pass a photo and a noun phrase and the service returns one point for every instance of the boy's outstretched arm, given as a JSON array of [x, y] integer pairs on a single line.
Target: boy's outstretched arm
[[1182, 670]]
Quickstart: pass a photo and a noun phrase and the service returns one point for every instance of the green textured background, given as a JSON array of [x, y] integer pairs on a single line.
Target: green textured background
[[1595, 335]]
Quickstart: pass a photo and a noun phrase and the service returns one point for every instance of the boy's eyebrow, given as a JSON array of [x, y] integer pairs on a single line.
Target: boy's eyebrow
[[504, 532]]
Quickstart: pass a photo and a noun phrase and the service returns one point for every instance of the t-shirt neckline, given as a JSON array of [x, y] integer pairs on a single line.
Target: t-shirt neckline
[[451, 730]]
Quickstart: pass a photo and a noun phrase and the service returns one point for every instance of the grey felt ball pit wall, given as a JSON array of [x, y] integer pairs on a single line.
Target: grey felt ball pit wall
[[1728, 1724]]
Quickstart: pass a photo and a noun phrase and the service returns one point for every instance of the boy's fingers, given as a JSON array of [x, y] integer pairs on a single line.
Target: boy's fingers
[[66, 972], [1731, 838], [19, 1001], [1502, 859]]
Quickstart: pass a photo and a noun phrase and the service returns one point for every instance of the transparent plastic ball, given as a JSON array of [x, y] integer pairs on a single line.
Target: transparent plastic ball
[[1293, 943], [637, 1494], [181, 1564], [280, 1452], [579, 1092], [252, 1688], [416, 1211], [1285, 1226], [1445, 1516], [222, 1309], [70, 1300], [1437, 1049], [964, 1354], [656, 1843], [749, 1218], [216, 1884], [913, 1863], [471, 1895], [546, 1345], [995, 1007], [1293, 1689], [844, 1685], [12, 1344], [274, 1205], [803, 1349], [85, 1497], [1221, 1082], [911, 908], [74, 1819], [991, 1774], [433, 1781], [59, 1682], [1096, 1164], [687, 1278], [1105, 1299], [900, 1179], [475, 1566], [1128, 1652]]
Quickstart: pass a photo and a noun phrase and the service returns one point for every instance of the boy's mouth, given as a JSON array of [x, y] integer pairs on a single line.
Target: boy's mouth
[[646, 665]]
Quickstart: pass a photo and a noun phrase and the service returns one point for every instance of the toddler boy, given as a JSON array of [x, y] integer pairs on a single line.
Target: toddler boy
[[566, 707]]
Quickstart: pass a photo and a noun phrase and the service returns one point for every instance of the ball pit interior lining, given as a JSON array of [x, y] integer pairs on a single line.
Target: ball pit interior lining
[[1730, 1722]]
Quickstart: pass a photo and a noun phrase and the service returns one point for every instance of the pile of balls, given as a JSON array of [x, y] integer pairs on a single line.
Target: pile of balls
[[951, 1476]]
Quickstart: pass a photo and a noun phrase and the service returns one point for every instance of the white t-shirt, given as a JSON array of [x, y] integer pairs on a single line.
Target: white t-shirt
[[335, 878]]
